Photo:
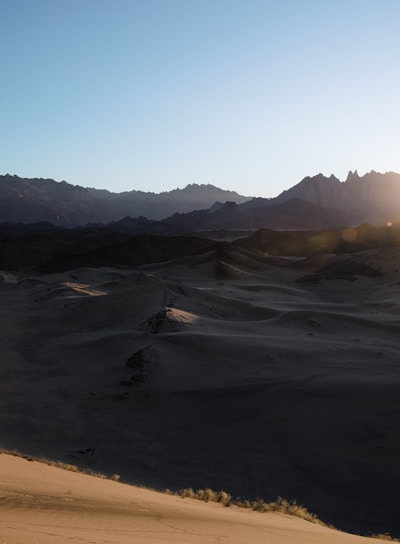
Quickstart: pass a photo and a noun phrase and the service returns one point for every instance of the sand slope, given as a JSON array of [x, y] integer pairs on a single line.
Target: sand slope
[[40, 504]]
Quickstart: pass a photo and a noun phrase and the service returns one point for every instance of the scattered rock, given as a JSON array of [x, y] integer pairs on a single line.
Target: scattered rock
[[87, 451], [141, 358], [313, 323], [140, 362], [139, 379], [155, 323], [120, 396]]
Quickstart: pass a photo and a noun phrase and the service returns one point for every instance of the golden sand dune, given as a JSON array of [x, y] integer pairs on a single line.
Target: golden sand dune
[[41, 504]]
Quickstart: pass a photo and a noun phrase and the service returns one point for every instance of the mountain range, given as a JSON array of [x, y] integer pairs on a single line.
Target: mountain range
[[314, 203], [60, 203]]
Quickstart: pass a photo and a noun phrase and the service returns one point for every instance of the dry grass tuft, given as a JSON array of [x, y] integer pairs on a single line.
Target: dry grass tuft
[[286, 507], [385, 536], [279, 505], [57, 464], [207, 495]]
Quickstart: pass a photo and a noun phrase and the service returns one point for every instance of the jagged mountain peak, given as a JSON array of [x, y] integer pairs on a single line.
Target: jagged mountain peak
[[318, 178], [352, 176], [373, 197]]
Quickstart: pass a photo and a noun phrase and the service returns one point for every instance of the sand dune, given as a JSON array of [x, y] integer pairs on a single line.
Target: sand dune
[[175, 376], [42, 504]]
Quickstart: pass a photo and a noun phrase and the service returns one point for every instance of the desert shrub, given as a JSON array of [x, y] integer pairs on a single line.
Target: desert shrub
[[286, 507], [259, 505], [58, 464], [243, 503], [224, 498], [187, 493], [53, 463], [385, 536], [207, 495]]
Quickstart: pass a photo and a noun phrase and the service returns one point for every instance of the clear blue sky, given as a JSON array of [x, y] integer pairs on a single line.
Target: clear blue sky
[[250, 95]]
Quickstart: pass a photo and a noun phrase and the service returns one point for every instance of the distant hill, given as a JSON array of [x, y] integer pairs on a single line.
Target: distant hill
[[33, 200], [294, 213]]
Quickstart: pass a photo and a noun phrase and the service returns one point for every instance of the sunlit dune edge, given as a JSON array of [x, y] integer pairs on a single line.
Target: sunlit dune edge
[[44, 504]]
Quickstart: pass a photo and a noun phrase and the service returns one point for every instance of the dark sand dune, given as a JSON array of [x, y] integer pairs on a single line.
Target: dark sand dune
[[310, 243], [134, 251], [259, 384]]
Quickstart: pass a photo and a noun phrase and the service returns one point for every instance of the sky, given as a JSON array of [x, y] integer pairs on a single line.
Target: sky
[[248, 95]]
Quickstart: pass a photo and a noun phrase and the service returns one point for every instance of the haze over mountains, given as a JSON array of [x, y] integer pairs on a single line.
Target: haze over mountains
[[315, 202]]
